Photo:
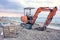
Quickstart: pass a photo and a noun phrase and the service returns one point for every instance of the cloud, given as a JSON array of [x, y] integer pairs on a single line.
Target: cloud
[[10, 5], [1, 6], [22, 2], [43, 3], [18, 5], [37, 3], [10, 14]]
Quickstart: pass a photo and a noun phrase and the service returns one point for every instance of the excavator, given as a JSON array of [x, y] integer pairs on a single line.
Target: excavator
[[29, 20]]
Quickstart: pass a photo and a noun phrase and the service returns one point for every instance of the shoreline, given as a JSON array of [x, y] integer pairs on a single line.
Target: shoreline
[[25, 34], [51, 25]]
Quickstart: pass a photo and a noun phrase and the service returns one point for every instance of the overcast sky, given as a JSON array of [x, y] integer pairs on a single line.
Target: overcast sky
[[18, 5]]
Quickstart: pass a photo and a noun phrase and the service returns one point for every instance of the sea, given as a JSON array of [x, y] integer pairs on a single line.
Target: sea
[[55, 21], [38, 20]]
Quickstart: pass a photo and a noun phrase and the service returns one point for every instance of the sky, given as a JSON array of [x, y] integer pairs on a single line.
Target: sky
[[18, 5]]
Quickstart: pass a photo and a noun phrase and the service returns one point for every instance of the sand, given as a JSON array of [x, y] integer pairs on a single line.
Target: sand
[[25, 34]]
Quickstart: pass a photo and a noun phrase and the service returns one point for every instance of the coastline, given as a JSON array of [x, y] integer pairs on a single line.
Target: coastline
[[51, 25], [25, 34]]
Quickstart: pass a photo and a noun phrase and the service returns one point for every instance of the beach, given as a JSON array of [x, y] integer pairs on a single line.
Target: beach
[[25, 34]]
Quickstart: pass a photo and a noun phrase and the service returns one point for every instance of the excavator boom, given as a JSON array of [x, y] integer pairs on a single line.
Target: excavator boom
[[50, 16]]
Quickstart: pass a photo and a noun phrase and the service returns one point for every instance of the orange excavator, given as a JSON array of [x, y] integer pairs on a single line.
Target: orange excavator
[[28, 20]]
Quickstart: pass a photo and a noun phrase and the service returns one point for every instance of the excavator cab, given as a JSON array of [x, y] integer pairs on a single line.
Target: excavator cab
[[27, 18]]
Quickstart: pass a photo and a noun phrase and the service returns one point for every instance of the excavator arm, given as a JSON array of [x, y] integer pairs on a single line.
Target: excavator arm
[[38, 11], [50, 16]]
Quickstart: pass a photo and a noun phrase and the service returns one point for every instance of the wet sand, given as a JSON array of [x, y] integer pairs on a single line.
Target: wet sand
[[25, 34]]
